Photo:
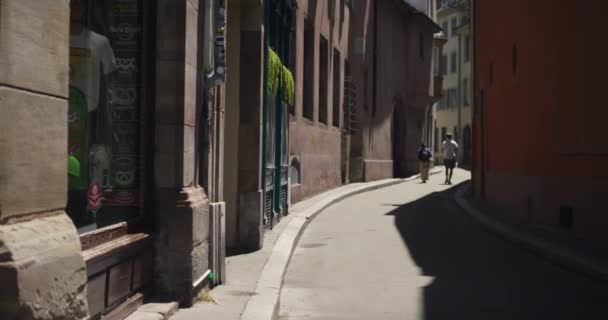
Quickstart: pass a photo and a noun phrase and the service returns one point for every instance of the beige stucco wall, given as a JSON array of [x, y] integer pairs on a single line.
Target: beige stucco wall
[[448, 117]]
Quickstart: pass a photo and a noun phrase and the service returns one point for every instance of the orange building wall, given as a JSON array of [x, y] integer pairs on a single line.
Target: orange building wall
[[546, 144]]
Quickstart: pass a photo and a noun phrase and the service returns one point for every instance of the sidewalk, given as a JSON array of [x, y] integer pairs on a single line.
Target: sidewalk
[[557, 246], [254, 279]]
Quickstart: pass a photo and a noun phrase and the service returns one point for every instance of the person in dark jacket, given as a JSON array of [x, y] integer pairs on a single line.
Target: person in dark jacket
[[424, 156]]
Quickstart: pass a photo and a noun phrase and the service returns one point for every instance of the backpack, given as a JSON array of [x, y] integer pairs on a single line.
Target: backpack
[[424, 155]]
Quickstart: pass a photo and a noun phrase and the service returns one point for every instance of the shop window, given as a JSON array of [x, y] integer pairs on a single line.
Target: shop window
[[104, 112], [323, 81]]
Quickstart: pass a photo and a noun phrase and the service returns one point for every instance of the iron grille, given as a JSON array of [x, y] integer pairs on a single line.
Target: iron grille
[[267, 208], [284, 199]]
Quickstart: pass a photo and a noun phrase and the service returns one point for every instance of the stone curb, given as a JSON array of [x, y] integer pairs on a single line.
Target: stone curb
[[559, 255], [264, 305], [154, 311]]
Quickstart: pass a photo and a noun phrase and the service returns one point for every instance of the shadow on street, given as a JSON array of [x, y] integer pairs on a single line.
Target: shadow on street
[[478, 275]]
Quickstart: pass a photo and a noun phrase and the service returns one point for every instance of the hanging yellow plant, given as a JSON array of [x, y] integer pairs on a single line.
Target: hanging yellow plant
[[274, 70], [289, 89]]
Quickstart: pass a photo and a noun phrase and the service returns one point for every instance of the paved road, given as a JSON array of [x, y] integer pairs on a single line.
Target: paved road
[[408, 252]]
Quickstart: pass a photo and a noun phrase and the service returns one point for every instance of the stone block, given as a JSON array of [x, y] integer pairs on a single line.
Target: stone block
[[42, 271], [142, 315], [195, 4], [190, 90], [165, 170], [170, 92], [33, 153], [165, 309], [167, 138], [191, 37], [251, 225], [377, 169], [200, 225], [34, 45], [182, 246], [170, 43], [200, 260]]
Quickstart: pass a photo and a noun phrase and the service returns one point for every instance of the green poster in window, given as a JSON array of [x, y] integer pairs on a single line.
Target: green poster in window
[[78, 138]]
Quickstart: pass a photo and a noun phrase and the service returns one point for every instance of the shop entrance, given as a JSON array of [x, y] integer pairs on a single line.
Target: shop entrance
[[106, 149]]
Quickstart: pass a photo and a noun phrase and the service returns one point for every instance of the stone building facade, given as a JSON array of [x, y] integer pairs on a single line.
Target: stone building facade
[[316, 122], [454, 110], [266, 139], [390, 61], [111, 144]]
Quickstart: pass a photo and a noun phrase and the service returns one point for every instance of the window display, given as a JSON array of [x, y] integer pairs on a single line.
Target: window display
[[104, 115]]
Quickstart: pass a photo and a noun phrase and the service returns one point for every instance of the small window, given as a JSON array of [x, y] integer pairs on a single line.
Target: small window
[[421, 46], [453, 62], [444, 26]]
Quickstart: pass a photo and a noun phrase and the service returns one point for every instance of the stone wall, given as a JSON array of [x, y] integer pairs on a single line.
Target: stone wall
[[41, 267], [315, 144], [182, 206]]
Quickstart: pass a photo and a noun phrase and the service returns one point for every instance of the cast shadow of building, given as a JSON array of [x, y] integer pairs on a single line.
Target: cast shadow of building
[[478, 275]]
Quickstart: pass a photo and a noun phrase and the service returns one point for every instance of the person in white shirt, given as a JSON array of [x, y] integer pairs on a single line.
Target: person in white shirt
[[449, 148]]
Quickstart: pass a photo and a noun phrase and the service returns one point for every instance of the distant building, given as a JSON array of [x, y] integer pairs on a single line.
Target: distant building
[[541, 150], [454, 110], [390, 69]]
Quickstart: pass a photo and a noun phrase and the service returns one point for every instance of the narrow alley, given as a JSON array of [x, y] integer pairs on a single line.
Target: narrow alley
[[409, 252]]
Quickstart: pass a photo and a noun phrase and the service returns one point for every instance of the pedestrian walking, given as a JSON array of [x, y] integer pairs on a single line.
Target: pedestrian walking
[[450, 151], [424, 156]]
